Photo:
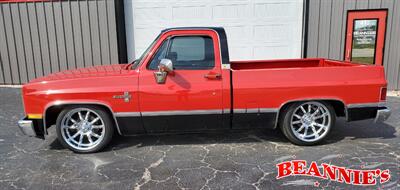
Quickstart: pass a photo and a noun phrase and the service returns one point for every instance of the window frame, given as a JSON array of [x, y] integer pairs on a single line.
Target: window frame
[[168, 39]]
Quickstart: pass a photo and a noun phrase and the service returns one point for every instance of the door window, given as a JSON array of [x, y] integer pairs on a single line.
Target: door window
[[191, 52], [186, 53], [364, 41]]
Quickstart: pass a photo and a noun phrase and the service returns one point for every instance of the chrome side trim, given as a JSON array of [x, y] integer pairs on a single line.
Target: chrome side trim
[[253, 110], [269, 110], [181, 112], [127, 114], [239, 110], [256, 110], [226, 111], [58, 103], [367, 105]]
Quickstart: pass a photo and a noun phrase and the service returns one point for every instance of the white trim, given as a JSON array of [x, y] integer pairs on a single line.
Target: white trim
[[256, 110], [366, 105], [226, 111], [239, 110], [127, 114], [269, 110], [181, 112]]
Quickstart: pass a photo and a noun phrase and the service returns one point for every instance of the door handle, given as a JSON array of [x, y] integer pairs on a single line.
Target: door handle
[[213, 76]]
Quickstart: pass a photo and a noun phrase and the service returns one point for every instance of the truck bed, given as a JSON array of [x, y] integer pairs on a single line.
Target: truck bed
[[270, 84], [287, 63]]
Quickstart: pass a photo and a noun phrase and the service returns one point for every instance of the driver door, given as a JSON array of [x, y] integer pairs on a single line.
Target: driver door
[[191, 98]]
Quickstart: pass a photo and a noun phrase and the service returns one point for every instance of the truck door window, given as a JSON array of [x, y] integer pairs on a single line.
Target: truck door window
[[191, 52]]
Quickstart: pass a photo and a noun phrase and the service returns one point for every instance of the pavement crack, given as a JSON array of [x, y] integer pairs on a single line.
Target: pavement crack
[[146, 177]]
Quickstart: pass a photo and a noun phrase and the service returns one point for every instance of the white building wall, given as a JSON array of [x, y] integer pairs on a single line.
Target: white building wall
[[256, 29]]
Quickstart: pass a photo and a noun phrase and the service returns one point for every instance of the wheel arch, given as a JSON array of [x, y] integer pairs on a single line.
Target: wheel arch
[[338, 105], [53, 109]]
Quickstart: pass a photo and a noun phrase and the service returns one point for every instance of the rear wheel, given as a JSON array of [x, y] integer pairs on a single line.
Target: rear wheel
[[84, 129], [307, 123]]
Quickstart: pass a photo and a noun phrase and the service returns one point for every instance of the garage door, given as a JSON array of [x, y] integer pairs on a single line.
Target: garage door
[[256, 29]]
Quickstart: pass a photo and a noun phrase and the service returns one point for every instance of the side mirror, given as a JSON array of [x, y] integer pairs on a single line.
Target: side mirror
[[166, 65], [164, 68]]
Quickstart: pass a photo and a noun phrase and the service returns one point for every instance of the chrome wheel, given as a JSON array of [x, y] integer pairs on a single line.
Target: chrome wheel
[[311, 121], [82, 128]]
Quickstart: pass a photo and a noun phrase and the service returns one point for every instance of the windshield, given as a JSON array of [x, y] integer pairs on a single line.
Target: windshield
[[137, 62]]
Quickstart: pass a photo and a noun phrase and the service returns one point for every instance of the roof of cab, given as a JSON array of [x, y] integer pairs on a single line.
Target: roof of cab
[[218, 29]]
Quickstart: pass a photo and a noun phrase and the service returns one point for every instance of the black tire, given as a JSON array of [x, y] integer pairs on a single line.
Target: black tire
[[286, 117], [107, 122]]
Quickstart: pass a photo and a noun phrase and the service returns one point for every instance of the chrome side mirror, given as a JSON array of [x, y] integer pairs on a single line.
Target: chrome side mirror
[[164, 68], [166, 65]]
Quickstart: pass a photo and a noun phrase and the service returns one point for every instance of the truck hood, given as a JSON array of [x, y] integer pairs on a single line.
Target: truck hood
[[89, 72]]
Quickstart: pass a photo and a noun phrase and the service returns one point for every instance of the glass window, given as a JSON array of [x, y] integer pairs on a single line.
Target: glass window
[[158, 56], [364, 41], [191, 52]]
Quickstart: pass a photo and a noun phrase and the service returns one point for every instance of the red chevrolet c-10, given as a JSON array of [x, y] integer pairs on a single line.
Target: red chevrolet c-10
[[184, 82]]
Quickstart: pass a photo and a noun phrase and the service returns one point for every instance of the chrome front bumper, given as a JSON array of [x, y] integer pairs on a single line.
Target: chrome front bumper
[[382, 115], [27, 127]]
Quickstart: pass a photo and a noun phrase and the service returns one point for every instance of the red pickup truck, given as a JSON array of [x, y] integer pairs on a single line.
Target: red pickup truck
[[184, 82]]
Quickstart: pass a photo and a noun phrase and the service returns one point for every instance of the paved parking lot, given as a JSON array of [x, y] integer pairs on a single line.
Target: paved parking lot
[[243, 160]]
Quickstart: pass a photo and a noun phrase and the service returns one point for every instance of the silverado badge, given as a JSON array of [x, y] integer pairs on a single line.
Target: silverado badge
[[127, 97]]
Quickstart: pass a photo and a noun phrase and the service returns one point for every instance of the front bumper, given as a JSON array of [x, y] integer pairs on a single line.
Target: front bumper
[[382, 114], [27, 127]]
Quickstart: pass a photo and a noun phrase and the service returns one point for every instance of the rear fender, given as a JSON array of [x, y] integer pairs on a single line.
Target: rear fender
[[281, 108]]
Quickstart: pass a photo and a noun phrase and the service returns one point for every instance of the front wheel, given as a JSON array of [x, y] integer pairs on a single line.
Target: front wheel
[[307, 123], [84, 129]]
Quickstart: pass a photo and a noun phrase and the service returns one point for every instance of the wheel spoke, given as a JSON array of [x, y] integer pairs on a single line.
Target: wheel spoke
[[300, 128], [298, 117], [302, 109], [305, 132], [94, 120], [80, 140], [95, 135], [97, 126], [296, 122], [73, 121], [309, 108], [315, 132], [87, 115], [315, 112], [80, 116], [319, 125], [75, 135], [321, 116], [89, 138], [74, 126]]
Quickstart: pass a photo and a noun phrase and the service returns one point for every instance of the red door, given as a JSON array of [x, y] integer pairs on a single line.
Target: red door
[[365, 36], [191, 98]]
